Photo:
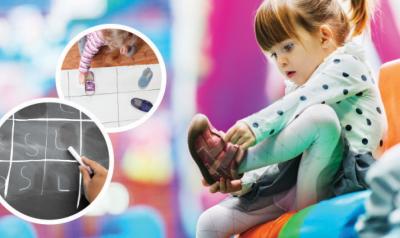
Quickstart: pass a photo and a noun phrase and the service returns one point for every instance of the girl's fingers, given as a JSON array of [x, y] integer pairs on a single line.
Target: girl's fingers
[[235, 138], [228, 185], [222, 186], [214, 188], [204, 182], [242, 140], [229, 134]]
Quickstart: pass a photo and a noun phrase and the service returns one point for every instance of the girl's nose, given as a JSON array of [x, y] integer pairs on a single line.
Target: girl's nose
[[282, 61]]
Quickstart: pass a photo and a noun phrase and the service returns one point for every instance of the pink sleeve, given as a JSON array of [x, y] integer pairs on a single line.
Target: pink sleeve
[[94, 41]]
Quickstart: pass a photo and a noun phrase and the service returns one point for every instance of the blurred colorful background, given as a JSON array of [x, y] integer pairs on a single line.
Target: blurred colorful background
[[214, 66]]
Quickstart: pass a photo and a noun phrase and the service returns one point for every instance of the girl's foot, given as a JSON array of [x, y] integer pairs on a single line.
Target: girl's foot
[[215, 157]]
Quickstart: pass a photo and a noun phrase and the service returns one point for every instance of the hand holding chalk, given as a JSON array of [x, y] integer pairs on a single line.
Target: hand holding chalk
[[76, 156], [93, 185]]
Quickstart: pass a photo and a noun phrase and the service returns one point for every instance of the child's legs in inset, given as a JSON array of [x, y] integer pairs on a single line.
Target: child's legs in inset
[[224, 220], [320, 162]]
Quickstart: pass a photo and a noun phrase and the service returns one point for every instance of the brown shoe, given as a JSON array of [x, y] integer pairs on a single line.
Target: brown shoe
[[215, 158]]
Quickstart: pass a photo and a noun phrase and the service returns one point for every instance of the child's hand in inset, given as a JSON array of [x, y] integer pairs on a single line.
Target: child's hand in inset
[[82, 77], [240, 134], [224, 186], [93, 185], [123, 50]]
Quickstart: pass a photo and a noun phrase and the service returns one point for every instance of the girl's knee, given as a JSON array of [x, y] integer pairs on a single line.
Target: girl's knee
[[207, 220], [323, 117]]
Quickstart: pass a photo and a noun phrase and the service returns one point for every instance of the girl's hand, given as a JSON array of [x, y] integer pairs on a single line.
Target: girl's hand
[[240, 134], [82, 77], [93, 185], [224, 186]]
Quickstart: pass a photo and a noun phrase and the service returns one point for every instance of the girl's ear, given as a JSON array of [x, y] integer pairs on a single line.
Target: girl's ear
[[326, 36]]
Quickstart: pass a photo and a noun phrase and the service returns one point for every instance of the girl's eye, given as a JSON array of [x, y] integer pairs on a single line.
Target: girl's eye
[[288, 47], [273, 55]]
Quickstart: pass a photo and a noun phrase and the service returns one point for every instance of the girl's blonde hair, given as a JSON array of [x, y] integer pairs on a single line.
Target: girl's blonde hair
[[277, 20], [116, 38]]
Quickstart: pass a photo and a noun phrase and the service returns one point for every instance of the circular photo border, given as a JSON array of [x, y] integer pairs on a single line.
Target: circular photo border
[[110, 167], [147, 40]]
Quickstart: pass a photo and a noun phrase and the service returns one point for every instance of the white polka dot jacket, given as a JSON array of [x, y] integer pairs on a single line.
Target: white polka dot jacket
[[343, 81]]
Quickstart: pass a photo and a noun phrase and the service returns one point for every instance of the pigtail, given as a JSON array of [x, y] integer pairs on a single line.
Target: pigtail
[[360, 11]]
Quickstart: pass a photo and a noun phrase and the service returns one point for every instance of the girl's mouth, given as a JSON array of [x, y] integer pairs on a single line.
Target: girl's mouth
[[290, 74]]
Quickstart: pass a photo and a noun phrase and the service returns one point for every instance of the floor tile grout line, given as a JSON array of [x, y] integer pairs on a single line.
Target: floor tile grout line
[[116, 74], [132, 91], [68, 84]]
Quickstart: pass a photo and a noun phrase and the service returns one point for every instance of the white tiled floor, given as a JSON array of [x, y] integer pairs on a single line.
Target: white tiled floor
[[115, 87]]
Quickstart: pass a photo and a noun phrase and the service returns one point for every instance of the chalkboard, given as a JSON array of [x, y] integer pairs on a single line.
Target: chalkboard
[[38, 176]]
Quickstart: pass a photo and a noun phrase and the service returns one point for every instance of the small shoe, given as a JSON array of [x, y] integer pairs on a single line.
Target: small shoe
[[90, 86], [141, 104], [215, 157], [145, 78]]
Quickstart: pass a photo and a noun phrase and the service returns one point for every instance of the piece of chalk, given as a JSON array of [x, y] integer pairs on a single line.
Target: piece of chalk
[[78, 158]]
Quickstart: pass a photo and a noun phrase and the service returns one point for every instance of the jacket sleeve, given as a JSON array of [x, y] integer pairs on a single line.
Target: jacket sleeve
[[92, 46], [340, 77]]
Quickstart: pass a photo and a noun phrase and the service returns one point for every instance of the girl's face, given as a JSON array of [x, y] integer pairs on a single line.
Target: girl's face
[[298, 60]]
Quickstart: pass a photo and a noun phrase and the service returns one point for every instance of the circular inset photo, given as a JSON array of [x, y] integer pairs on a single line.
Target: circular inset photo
[[114, 71], [55, 160]]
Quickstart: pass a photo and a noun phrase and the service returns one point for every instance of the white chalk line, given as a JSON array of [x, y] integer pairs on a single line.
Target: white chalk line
[[58, 186], [11, 158], [52, 119], [30, 182], [30, 146], [45, 155], [40, 160], [80, 152]]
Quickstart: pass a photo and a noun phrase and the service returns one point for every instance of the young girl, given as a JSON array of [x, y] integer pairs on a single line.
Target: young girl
[[315, 142], [89, 45]]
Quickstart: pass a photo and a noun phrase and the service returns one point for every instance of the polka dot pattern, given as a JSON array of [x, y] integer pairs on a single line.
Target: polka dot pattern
[[357, 127], [272, 132], [363, 77]]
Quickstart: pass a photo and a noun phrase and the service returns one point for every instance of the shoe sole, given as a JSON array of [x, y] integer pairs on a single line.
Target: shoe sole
[[197, 126]]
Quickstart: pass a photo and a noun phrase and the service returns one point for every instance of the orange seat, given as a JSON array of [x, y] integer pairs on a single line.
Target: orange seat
[[389, 85], [270, 229]]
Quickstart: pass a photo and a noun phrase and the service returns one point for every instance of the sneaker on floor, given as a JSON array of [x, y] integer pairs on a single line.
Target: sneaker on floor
[[145, 78], [141, 104], [90, 86], [215, 157]]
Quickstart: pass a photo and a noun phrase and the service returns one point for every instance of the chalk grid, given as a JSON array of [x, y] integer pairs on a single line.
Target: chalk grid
[[11, 161]]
